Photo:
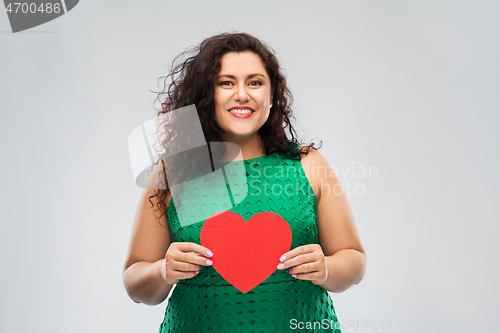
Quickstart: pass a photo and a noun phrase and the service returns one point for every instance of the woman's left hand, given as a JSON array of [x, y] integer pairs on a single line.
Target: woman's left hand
[[306, 262]]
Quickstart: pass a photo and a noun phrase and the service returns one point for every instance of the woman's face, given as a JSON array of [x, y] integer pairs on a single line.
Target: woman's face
[[242, 96]]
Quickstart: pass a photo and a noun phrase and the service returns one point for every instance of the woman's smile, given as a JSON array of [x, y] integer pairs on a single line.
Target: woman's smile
[[241, 111]]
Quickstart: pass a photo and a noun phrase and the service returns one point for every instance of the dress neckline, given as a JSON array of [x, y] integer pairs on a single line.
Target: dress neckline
[[251, 159], [254, 158]]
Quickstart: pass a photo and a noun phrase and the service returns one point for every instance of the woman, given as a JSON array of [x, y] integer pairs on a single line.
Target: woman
[[241, 97]]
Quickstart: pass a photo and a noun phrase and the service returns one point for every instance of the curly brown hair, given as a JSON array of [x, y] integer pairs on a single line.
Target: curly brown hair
[[193, 81]]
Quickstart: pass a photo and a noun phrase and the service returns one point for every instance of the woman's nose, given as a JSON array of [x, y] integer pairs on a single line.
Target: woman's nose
[[241, 93]]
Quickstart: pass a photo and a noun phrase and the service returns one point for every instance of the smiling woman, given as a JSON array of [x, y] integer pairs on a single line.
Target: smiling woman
[[242, 98], [287, 245]]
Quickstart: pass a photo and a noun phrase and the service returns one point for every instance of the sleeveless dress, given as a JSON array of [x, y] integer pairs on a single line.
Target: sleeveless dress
[[281, 303]]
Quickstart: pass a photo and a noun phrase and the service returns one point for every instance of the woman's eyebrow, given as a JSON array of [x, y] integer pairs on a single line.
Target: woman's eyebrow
[[248, 77]]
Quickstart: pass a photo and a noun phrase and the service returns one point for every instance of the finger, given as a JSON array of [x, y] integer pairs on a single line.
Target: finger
[[309, 248], [179, 266], [204, 259], [308, 276], [193, 247], [190, 258], [299, 260], [305, 268]]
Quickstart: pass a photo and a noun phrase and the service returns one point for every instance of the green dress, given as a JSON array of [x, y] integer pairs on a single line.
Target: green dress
[[281, 303]]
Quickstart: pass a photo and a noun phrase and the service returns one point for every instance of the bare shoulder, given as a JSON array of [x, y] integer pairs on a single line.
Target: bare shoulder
[[315, 164], [312, 156], [316, 168]]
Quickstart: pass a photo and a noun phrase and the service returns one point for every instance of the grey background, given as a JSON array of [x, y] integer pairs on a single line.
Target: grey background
[[410, 87]]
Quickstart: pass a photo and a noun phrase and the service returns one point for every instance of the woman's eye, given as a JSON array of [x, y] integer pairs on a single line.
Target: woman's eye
[[227, 83]]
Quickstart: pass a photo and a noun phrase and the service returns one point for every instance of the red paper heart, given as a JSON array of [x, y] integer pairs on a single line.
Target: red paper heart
[[246, 253]]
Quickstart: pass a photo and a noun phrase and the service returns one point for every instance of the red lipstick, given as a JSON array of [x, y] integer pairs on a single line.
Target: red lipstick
[[241, 115], [241, 107]]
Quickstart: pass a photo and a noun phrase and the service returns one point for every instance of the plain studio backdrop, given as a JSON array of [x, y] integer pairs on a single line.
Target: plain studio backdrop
[[404, 95]]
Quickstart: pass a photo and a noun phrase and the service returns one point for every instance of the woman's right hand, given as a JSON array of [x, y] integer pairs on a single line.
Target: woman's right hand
[[184, 260]]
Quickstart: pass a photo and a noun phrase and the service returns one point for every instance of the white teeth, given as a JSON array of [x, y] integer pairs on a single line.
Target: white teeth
[[241, 111]]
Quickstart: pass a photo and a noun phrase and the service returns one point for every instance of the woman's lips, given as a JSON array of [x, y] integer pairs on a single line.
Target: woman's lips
[[241, 112]]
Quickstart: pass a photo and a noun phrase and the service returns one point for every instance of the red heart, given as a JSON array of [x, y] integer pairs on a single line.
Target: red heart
[[246, 253]]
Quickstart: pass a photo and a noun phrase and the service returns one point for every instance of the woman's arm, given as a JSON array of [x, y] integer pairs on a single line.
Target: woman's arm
[[345, 257], [146, 254]]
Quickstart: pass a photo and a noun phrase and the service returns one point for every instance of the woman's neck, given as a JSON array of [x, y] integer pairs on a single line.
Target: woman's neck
[[251, 147]]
